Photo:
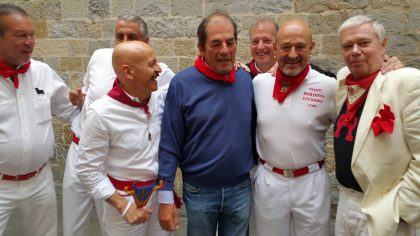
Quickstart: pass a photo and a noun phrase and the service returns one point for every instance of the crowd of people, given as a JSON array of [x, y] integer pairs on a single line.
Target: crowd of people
[[249, 139]]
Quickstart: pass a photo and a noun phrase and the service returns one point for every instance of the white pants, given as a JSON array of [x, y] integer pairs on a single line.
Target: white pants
[[297, 206], [115, 225], [77, 203], [351, 220], [35, 200]]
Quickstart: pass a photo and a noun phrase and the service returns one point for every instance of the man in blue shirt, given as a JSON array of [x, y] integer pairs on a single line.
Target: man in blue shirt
[[206, 129]]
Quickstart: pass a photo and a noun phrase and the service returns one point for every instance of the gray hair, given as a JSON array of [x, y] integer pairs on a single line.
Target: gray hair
[[137, 19], [7, 9], [358, 20]]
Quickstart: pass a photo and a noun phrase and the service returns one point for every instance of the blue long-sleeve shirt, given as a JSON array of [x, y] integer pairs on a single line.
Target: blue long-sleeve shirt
[[206, 128]]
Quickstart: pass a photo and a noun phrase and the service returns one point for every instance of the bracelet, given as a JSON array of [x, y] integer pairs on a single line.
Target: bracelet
[[127, 207]]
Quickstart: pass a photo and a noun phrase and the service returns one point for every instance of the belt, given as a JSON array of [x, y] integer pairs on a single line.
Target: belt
[[294, 172], [75, 139], [22, 177], [128, 185]]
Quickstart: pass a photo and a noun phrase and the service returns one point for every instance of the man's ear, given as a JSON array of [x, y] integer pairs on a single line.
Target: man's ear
[[126, 70]]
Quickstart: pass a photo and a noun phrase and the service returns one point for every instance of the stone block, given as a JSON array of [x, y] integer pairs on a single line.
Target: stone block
[[41, 30], [96, 44], [162, 47], [190, 25], [185, 62], [330, 45], [53, 62], [242, 51], [49, 47], [394, 22], [229, 6], [70, 64], [270, 6], [413, 21], [98, 8], [62, 29], [119, 8], [75, 9], [172, 63], [35, 9], [186, 47], [163, 27], [324, 23], [52, 9], [108, 29], [186, 8], [89, 29], [313, 6], [402, 45], [156, 8], [330, 63], [76, 47]]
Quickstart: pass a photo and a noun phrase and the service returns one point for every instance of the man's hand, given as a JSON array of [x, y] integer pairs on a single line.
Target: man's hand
[[77, 97], [168, 217], [132, 215], [242, 65], [390, 64]]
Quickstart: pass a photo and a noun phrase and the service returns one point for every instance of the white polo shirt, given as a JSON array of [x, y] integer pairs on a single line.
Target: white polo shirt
[[292, 134]]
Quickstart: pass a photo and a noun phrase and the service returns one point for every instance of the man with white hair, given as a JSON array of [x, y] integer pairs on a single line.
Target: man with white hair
[[376, 137]]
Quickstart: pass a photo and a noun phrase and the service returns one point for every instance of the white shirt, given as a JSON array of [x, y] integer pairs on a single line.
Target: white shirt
[[100, 77], [26, 132], [292, 134], [115, 141]]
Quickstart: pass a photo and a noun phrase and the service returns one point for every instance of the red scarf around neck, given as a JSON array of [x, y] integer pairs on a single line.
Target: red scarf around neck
[[9, 72], [119, 94], [284, 84], [253, 68], [357, 92], [201, 66]]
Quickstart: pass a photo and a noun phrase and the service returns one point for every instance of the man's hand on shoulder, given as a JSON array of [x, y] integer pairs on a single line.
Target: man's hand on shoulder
[[390, 64], [168, 217], [77, 97]]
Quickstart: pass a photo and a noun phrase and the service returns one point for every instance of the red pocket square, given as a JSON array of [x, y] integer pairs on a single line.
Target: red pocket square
[[383, 122]]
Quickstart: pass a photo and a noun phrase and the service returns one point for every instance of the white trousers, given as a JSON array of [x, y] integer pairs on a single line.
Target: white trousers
[[77, 203], [297, 206], [35, 200], [115, 225], [351, 221]]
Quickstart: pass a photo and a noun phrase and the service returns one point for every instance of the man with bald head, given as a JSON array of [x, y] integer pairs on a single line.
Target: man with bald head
[[206, 128], [295, 108], [119, 143], [98, 80]]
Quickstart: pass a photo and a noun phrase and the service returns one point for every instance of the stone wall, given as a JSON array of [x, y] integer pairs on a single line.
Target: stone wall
[[69, 31]]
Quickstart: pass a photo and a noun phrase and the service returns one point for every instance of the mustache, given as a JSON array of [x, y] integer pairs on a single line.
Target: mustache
[[289, 60]]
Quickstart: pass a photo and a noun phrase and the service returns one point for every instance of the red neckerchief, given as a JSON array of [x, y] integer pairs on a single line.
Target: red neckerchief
[[9, 72], [253, 68], [279, 92], [357, 92], [118, 94], [201, 66]]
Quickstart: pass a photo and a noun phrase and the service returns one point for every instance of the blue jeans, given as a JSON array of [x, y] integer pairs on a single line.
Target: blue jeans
[[225, 209]]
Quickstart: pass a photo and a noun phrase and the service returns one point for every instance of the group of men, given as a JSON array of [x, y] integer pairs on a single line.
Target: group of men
[[137, 125]]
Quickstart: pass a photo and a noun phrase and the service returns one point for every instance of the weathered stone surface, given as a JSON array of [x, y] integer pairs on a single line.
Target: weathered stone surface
[[230, 6], [166, 27], [185, 47], [414, 21], [70, 63], [35, 9], [172, 62], [156, 8], [393, 23], [74, 29], [242, 51], [402, 45], [330, 63], [53, 62], [75, 9], [270, 6], [122, 7], [190, 26], [41, 30], [314, 6], [186, 8], [96, 44], [325, 23], [98, 8], [163, 47], [330, 44], [52, 9], [185, 62]]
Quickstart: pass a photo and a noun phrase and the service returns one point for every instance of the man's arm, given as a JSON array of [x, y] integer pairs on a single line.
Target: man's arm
[[391, 63], [409, 193], [170, 149]]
